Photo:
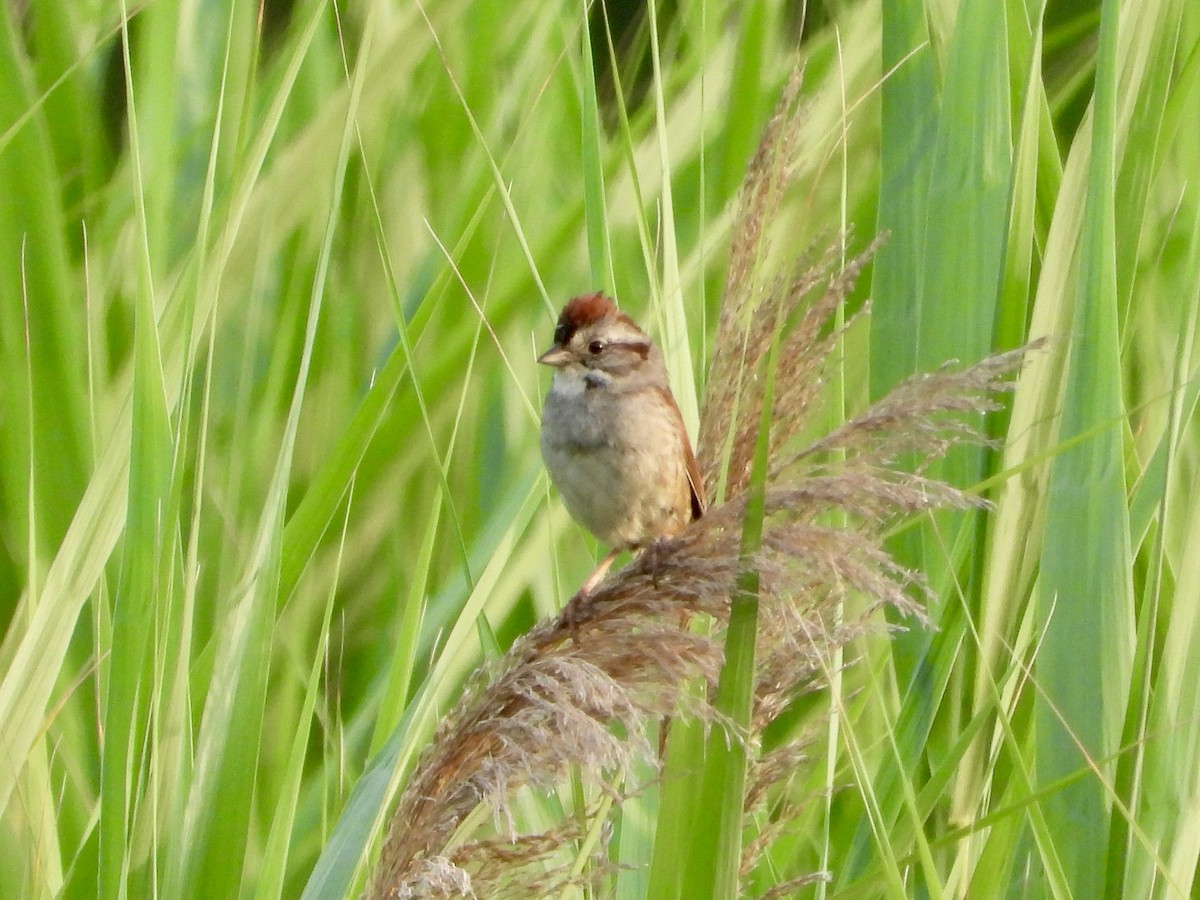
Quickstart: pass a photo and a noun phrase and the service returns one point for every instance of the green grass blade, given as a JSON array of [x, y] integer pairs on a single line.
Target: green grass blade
[[270, 883], [909, 132], [600, 262], [143, 589], [1085, 596], [38, 305], [716, 853]]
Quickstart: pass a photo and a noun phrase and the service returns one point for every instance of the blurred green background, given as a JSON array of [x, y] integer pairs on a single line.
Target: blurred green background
[[272, 281]]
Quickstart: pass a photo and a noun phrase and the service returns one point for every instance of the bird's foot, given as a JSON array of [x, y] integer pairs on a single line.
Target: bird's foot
[[571, 612], [654, 554], [569, 618]]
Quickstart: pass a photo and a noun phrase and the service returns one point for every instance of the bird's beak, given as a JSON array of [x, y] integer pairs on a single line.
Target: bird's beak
[[556, 356]]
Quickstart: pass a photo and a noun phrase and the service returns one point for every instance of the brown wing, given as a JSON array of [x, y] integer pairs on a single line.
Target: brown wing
[[694, 477]]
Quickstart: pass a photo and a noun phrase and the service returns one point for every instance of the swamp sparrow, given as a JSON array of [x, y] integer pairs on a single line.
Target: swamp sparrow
[[612, 436]]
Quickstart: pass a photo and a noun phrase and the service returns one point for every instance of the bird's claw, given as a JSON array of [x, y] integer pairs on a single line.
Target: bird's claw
[[569, 618]]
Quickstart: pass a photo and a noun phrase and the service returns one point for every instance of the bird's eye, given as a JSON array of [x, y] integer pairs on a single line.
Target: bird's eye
[[595, 347]]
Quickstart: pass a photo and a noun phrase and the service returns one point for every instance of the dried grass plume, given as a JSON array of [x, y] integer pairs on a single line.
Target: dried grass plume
[[582, 693]]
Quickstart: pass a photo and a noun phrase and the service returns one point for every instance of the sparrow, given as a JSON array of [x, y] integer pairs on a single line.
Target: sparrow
[[612, 437]]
